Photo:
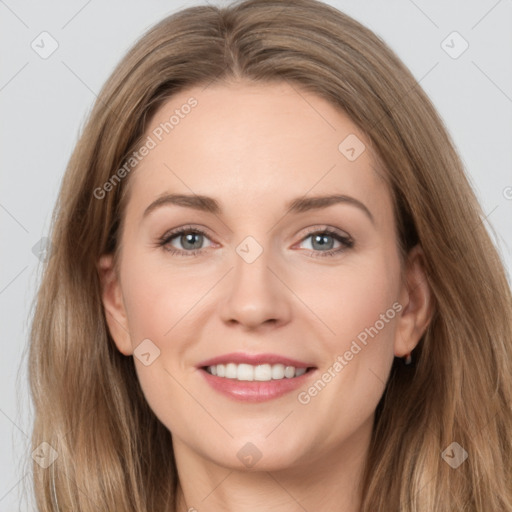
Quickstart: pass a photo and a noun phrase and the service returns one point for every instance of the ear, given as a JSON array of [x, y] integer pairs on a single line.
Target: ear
[[113, 304], [417, 301]]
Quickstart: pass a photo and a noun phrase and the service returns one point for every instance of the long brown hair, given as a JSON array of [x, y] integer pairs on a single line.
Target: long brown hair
[[113, 453]]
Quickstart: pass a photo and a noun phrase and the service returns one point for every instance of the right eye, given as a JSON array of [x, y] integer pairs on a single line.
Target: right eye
[[190, 238]]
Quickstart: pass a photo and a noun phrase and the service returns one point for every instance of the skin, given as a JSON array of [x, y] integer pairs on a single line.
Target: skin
[[254, 148]]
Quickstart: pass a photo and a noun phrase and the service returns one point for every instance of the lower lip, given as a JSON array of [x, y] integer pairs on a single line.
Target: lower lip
[[255, 391]]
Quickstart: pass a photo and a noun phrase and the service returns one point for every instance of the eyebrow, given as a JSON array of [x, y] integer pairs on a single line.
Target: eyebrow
[[298, 205]]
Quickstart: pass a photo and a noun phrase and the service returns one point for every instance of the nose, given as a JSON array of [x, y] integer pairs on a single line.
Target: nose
[[257, 295]]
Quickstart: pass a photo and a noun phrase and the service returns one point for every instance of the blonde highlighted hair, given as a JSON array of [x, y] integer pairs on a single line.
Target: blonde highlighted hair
[[113, 453]]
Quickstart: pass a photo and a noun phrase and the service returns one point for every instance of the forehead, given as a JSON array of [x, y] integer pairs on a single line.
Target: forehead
[[250, 144]]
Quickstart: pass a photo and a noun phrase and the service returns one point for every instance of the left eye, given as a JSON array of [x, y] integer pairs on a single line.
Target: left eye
[[322, 243]]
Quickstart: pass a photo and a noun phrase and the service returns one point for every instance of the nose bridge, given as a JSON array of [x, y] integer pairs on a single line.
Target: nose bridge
[[255, 295], [251, 266]]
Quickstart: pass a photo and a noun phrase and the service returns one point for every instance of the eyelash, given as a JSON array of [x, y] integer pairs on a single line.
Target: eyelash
[[347, 242]]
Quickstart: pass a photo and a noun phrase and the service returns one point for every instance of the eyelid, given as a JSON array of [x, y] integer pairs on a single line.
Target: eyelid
[[186, 228], [324, 228]]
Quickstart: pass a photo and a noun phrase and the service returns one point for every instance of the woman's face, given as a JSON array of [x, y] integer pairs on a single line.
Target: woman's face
[[253, 281]]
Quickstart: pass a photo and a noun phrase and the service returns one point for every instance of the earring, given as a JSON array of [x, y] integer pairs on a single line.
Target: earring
[[408, 358]]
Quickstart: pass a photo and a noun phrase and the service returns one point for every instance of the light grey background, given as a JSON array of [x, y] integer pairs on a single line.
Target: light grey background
[[44, 103]]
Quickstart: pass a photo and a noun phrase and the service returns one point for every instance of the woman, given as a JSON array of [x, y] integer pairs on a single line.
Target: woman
[[249, 370]]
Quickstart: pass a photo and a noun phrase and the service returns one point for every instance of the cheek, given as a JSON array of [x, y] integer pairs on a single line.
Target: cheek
[[361, 309], [356, 301], [156, 303], [148, 308], [156, 297]]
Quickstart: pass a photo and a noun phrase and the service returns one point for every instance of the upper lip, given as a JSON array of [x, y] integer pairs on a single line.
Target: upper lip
[[254, 359]]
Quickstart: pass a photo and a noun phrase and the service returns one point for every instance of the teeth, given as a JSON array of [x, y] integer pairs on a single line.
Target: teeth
[[277, 371], [261, 372], [244, 372], [289, 372], [231, 371]]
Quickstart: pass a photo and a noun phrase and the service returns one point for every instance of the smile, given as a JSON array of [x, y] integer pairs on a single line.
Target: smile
[[249, 372]]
